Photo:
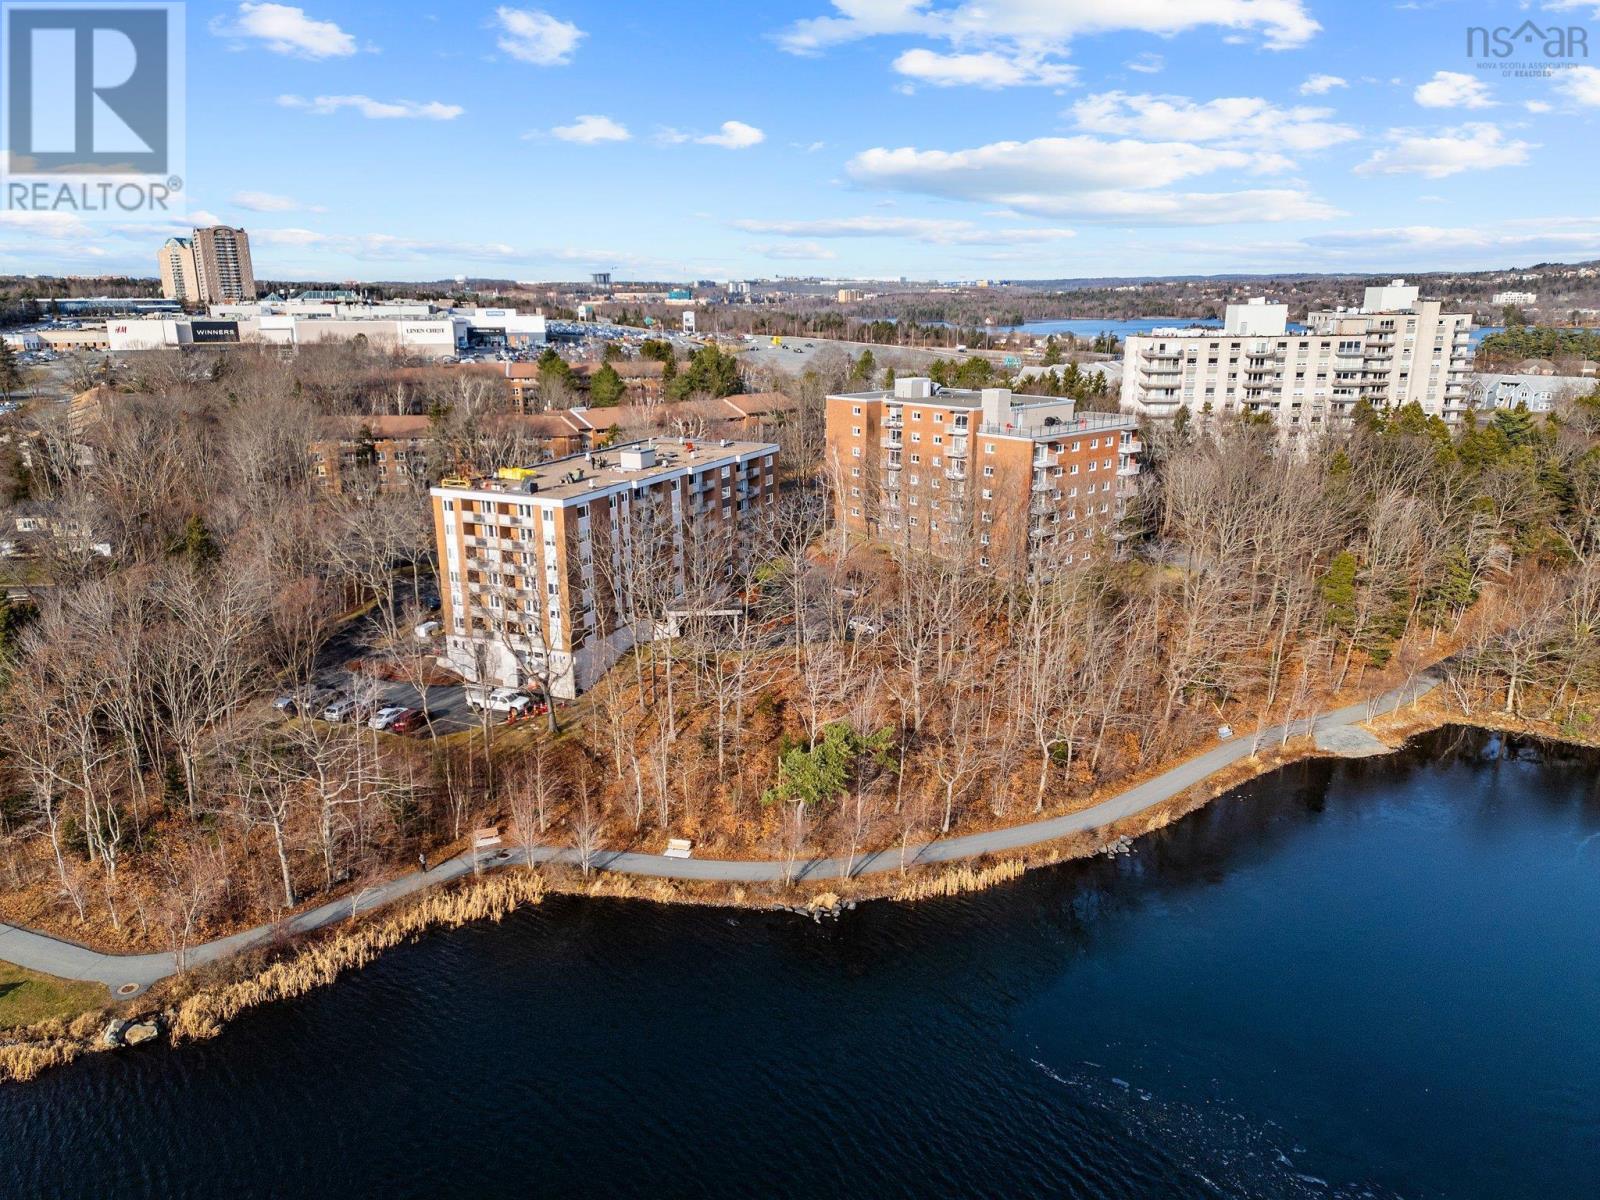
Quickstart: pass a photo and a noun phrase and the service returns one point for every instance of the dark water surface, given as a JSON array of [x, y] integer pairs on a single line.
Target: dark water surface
[[1365, 979]]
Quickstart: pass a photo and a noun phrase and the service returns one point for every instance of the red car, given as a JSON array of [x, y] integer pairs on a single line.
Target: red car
[[408, 722]]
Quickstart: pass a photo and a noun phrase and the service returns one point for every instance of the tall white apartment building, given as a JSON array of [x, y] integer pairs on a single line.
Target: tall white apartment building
[[549, 573], [1393, 350]]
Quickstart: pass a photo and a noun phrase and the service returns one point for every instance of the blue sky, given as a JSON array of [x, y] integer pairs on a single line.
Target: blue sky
[[928, 138]]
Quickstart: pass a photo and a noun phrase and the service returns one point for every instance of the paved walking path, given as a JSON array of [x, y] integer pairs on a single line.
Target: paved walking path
[[130, 974]]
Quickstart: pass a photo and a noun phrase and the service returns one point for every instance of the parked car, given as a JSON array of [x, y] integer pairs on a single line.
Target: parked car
[[427, 630], [863, 627], [500, 700], [292, 704], [384, 717], [409, 721], [346, 708]]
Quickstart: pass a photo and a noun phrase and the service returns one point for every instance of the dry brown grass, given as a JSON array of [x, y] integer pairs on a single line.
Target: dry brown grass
[[49, 1044], [957, 880], [203, 1015]]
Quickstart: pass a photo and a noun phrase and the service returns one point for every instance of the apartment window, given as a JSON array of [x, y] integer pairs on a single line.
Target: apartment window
[[984, 561], [855, 472], [855, 512], [935, 461], [1076, 446], [988, 472], [988, 447], [916, 414], [855, 431], [938, 439], [983, 538], [916, 458], [449, 506], [855, 491], [914, 480], [855, 451], [455, 576], [855, 410], [988, 493]]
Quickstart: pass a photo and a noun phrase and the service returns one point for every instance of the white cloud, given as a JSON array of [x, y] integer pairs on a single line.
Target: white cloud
[[1580, 85], [285, 29], [1537, 106], [1147, 64], [1471, 147], [804, 251], [377, 110], [1244, 122], [1321, 85], [590, 129], [1532, 237], [44, 223], [533, 36], [931, 230], [734, 135], [271, 202], [985, 69], [1088, 178], [382, 246], [1453, 89], [1046, 25]]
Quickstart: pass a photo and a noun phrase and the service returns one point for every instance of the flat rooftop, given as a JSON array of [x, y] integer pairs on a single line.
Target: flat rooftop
[[948, 397], [580, 474]]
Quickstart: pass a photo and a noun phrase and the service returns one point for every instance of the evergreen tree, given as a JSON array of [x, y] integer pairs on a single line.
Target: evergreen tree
[[1339, 592], [196, 545], [606, 388]]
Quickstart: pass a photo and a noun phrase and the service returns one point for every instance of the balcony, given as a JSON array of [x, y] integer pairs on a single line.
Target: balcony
[[1041, 486], [891, 441], [893, 421], [1128, 470], [958, 448], [890, 464], [956, 473], [1044, 458]]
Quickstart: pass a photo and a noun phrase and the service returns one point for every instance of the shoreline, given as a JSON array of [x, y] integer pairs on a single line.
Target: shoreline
[[197, 1005]]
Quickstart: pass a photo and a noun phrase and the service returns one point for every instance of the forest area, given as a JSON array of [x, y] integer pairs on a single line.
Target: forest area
[[872, 697]]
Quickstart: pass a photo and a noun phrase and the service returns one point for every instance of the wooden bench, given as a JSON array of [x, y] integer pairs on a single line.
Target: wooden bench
[[679, 848], [482, 839]]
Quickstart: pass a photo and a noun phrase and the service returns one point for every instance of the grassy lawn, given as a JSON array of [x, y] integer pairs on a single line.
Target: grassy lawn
[[27, 997]]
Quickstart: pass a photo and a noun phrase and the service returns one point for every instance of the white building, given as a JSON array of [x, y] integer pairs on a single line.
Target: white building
[[413, 329], [1539, 393], [1517, 298], [1393, 350]]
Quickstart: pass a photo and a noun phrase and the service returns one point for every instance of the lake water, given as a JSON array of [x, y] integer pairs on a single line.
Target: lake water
[[1366, 979]]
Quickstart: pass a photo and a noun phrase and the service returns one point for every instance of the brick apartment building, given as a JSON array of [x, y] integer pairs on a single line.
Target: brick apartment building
[[549, 573], [387, 454], [1007, 479]]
